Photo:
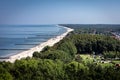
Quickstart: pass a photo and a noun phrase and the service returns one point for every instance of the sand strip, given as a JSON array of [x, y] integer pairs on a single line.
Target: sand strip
[[29, 53]]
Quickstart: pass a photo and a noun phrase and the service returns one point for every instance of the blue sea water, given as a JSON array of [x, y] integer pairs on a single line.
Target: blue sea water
[[17, 38]]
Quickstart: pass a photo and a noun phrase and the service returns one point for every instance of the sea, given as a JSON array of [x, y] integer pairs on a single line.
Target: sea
[[17, 38]]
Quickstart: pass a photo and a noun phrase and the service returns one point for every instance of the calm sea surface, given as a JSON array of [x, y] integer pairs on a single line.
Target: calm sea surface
[[17, 38]]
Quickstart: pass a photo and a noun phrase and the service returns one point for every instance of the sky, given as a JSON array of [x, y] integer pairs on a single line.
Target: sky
[[59, 11]]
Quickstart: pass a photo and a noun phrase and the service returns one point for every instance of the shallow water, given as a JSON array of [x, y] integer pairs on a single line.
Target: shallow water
[[17, 38]]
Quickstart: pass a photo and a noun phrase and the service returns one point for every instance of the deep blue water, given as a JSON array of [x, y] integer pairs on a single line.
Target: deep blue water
[[17, 38]]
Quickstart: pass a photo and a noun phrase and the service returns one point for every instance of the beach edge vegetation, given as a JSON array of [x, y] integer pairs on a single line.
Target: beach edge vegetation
[[76, 57]]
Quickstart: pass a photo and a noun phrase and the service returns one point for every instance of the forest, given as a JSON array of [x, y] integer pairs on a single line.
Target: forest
[[79, 56], [105, 29]]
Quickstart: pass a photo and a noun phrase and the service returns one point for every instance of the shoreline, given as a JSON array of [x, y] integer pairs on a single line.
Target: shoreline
[[29, 53]]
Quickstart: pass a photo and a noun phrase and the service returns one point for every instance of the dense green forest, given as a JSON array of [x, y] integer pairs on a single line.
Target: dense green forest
[[105, 29], [73, 58]]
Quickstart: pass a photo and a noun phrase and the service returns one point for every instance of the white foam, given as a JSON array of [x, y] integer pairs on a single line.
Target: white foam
[[29, 53]]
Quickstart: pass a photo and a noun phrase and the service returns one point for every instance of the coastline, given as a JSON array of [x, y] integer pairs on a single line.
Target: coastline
[[29, 53]]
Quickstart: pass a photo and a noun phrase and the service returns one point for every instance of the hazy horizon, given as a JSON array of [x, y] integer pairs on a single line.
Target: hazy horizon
[[36, 12]]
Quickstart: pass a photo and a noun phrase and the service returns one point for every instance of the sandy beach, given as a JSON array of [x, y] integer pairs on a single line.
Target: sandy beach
[[29, 53]]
